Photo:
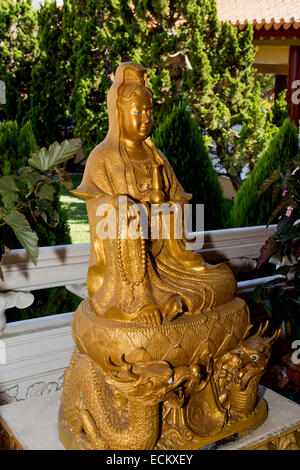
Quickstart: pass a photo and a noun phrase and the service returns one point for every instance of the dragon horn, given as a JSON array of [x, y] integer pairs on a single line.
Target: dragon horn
[[130, 376], [109, 364], [111, 367], [274, 337], [259, 333], [261, 329], [116, 378], [124, 363], [265, 328]]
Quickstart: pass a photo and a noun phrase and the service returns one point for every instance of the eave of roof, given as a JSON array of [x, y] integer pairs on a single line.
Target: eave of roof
[[262, 14]]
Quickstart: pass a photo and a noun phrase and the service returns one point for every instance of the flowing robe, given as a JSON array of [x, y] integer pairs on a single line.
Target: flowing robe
[[170, 269]]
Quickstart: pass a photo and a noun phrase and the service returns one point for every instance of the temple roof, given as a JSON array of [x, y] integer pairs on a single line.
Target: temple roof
[[264, 14]]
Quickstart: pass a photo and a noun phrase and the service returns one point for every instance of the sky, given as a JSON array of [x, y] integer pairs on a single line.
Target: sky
[[36, 3]]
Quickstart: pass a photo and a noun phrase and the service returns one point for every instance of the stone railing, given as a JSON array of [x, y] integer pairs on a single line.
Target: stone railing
[[34, 353]]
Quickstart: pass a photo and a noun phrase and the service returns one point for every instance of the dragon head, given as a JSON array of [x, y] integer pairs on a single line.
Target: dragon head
[[253, 354], [150, 382]]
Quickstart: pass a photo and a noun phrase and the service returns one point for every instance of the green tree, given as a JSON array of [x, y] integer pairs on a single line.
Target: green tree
[[180, 138], [279, 111], [280, 154], [214, 70], [94, 31], [18, 51], [51, 84], [187, 53], [225, 91]]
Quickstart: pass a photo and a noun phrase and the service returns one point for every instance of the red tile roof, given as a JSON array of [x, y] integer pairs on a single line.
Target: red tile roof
[[265, 14]]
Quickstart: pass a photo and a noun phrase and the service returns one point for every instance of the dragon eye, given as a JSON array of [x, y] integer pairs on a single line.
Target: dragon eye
[[239, 351], [254, 357]]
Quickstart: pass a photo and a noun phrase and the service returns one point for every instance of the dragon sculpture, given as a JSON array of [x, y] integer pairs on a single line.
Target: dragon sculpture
[[152, 404]]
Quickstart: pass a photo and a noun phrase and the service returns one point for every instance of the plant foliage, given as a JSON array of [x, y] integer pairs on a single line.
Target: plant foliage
[[180, 138], [72, 52], [280, 154], [28, 195], [281, 296]]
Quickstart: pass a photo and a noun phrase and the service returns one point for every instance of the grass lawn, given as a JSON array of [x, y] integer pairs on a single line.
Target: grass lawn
[[77, 215]]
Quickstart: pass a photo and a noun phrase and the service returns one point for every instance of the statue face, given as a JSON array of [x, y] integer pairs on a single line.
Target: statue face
[[136, 116]]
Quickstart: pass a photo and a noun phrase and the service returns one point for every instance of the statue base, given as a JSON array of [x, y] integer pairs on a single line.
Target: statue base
[[190, 441], [182, 384]]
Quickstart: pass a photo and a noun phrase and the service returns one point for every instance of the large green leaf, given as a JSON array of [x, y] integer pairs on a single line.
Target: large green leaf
[[45, 191], [8, 191], [24, 233], [29, 176], [57, 153]]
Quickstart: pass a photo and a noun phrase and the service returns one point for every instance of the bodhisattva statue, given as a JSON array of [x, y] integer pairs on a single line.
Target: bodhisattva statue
[[163, 358]]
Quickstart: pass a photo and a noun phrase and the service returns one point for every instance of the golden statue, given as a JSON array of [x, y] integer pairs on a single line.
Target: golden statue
[[163, 357]]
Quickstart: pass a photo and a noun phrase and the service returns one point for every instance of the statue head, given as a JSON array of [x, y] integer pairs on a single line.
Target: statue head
[[135, 112], [130, 104]]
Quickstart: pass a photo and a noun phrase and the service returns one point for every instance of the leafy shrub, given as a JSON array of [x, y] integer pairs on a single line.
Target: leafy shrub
[[283, 148], [30, 210], [279, 111], [17, 145], [181, 140], [227, 206], [280, 297]]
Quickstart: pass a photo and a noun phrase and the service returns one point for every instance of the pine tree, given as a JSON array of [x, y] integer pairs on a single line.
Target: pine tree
[[83, 42], [86, 29], [227, 97], [17, 144], [51, 84], [180, 138], [18, 51], [215, 73]]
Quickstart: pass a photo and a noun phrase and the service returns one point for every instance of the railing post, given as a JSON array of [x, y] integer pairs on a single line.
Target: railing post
[[12, 299]]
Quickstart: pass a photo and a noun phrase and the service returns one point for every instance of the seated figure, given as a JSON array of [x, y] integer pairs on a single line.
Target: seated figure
[[142, 280], [162, 357]]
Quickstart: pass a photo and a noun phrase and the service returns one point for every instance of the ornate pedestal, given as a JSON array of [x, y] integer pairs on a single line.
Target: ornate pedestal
[[179, 385]]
